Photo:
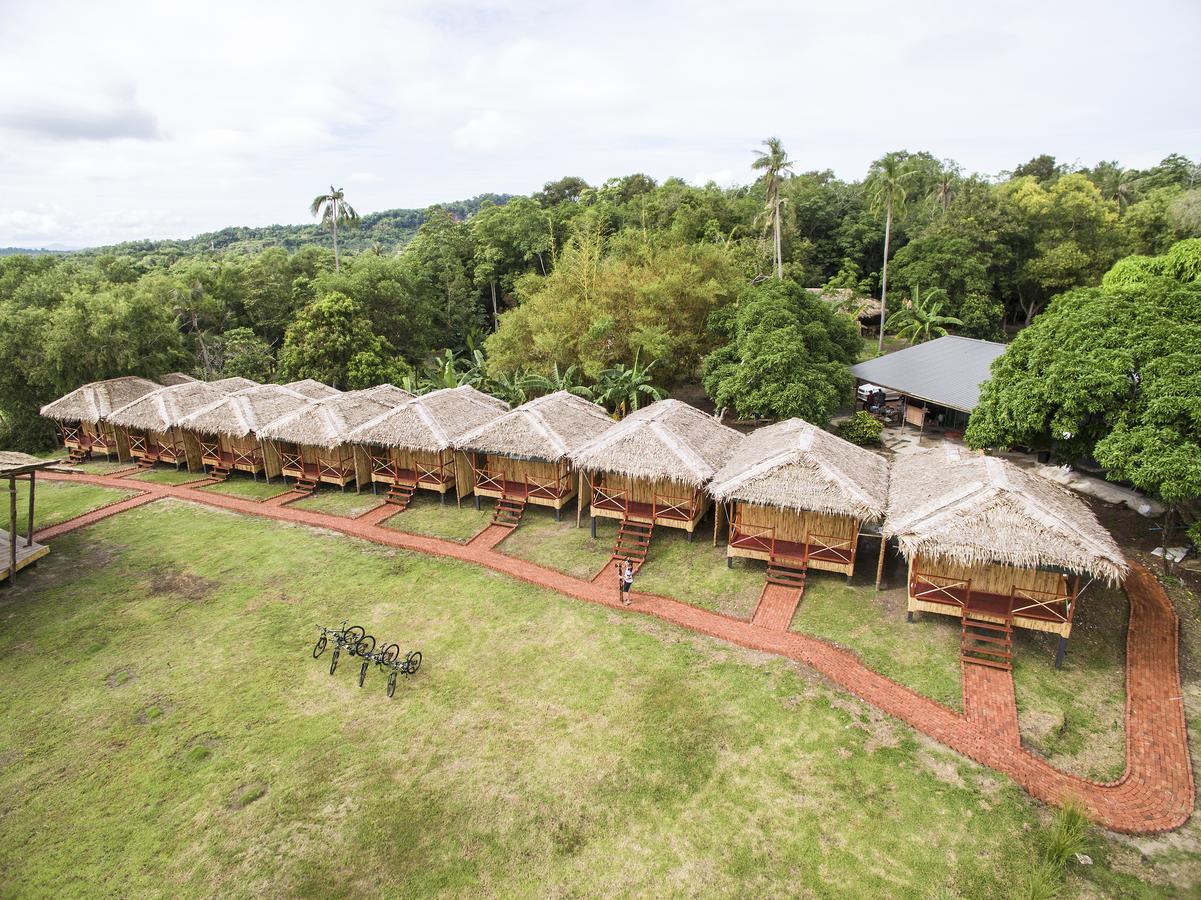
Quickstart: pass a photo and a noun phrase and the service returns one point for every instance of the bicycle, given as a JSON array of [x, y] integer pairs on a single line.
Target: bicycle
[[408, 666], [385, 657], [348, 639]]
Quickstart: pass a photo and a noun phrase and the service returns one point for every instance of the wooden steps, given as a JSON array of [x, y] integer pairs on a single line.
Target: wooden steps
[[218, 473], [986, 643], [400, 495], [75, 455], [633, 541], [787, 571], [304, 485], [509, 510], [144, 463]]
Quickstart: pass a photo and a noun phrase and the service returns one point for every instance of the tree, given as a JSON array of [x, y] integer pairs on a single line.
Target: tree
[[787, 354], [245, 355], [623, 388], [920, 318], [886, 186], [567, 380], [333, 210], [328, 336], [775, 166]]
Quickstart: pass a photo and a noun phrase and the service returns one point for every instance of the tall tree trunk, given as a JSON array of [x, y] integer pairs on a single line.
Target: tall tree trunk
[[334, 224], [884, 278], [1167, 522], [541, 264], [779, 255], [495, 314]]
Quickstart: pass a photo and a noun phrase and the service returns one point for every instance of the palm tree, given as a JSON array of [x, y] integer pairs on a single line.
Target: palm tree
[[946, 185], [333, 210], [622, 388], [776, 166], [885, 187], [538, 385], [921, 318]]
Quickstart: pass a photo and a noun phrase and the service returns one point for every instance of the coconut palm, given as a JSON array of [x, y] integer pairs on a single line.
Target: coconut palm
[[624, 388], [538, 385], [886, 190], [946, 185], [776, 166], [921, 318], [333, 210]]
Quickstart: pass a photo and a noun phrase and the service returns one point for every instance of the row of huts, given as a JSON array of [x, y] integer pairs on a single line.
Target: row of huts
[[984, 539]]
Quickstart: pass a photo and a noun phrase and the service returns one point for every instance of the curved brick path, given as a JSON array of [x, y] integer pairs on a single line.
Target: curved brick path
[[1154, 794]]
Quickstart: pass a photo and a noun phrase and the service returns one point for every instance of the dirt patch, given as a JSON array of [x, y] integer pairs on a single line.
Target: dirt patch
[[881, 729], [186, 586], [154, 711], [1039, 725], [120, 677], [248, 793], [203, 746]]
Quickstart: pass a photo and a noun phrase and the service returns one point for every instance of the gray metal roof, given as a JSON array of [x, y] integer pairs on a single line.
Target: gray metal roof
[[947, 371]]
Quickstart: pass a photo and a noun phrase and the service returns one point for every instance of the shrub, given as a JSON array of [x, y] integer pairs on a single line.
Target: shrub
[[861, 428]]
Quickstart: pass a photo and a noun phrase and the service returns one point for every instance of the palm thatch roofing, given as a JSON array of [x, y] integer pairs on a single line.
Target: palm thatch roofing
[[548, 428], [245, 412], [175, 378], [312, 388], [325, 423], [14, 463], [431, 422], [668, 440], [388, 394], [975, 510], [161, 410], [96, 400], [236, 383], [796, 465]]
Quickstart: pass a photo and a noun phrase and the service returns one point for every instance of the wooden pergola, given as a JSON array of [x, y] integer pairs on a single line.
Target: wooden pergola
[[16, 554]]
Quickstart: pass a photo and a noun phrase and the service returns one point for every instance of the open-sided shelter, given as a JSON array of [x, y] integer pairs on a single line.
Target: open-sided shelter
[[653, 465], [311, 442], [149, 425], [994, 544], [225, 433], [523, 456], [796, 496], [313, 389], [17, 553], [82, 415], [412, 445]]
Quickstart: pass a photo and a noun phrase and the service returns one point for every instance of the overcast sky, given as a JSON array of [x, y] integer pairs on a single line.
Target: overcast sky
[[129, 120]]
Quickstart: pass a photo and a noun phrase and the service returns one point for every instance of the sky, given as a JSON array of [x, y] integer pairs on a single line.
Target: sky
[[126, 120]]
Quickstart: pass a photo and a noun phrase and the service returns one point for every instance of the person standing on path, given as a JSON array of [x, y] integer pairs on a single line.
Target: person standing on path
[[627, 581]]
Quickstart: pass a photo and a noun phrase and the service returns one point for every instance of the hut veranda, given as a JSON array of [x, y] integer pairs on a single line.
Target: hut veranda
[[523, 456], [995, 545], [412, 446], [797, 496], [82, 416]]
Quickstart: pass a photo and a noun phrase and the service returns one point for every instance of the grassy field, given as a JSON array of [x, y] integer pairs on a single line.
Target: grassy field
[[248, 488], [163, 475], [172, 735], [57, 501], [334, 502], [560, 545], [426, 515]]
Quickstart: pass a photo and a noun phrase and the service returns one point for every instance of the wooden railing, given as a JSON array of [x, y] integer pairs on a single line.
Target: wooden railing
[[138, 444], [290, 460], [171, 451], [610, 498], [667, 506], [443, 472], [243, 457], [758, 538], [548, 489], [210, 450], [830, 548], [940, 589], [73, 435], [1050, 605]]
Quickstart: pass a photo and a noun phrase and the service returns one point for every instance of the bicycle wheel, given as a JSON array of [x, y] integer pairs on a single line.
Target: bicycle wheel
[[391, 682], [352, 636], [320, 648], [390, 654], [413, 662], [333, 663], [363, 672], [365, 646]]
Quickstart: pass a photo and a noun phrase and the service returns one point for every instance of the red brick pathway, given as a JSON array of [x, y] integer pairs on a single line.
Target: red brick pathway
[[777, 606], [1154, 794], [989, 702]]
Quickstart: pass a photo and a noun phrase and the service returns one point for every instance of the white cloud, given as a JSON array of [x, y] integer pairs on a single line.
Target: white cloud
[[722, 178], [487, 131]]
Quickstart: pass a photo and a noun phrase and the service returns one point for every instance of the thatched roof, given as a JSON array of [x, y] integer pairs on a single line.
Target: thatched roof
[[162, 409], [312, 388], [947, 504], [666, 440], [848, 301], [95, 401], [245, 412], [175, 378], [14, 463], [796, 465], [236, 383], [388, 394], [431, 422], [547, 428], [325, 423]]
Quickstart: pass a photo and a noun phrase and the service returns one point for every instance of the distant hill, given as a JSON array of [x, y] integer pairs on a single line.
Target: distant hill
[[28, 251], [390, 228]]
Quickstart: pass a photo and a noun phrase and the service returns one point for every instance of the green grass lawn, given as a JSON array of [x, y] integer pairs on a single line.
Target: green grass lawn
[[99, 465], [167, 732], [163, 475], [696, 573], [57, 501], [560, 545], [426, 515], [248, 489], [334, 502]]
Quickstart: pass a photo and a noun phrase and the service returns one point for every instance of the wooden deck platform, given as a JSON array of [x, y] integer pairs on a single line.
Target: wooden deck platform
[[26, 556]]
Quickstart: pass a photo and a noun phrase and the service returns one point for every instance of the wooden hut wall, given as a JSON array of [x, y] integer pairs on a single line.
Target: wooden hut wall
[[362, 465], [272, 463], [794, 525], [191, 449], [464, 475], [644, 490], [517, 469], [994, 578]]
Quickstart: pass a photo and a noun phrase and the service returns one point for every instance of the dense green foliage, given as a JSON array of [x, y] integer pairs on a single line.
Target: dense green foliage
[[861, 428]]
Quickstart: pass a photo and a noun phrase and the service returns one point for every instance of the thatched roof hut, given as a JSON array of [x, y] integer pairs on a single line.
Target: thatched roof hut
[[161, 410], [325, 423], [970, 510], [312, 388], [244, 413], [431, 422], [172, 378], [798, 466], [388, 394], [235, 383], [666, 441], [548, 428], [96, 400]]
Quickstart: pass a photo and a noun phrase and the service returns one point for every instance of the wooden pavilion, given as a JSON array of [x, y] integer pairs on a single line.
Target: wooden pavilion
[[15, 552], [651, 469], [312, 388], [311, 442], [149, 425], [995, 545], [224, 434], [796, 496], [413, 445], [82, 416], [522, 456]]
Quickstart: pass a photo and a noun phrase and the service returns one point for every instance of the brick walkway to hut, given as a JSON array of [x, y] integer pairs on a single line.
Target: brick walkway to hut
[[1154, 794], [777, 606]]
